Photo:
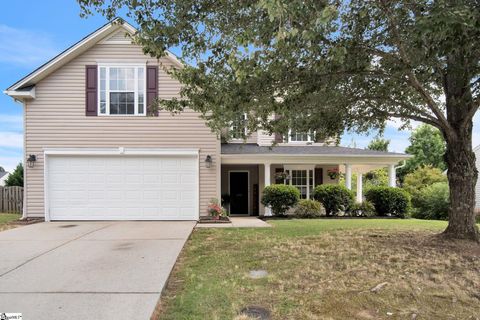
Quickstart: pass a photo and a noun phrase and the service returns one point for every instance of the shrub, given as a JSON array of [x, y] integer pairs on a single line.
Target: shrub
[[389, 200], [422, 177], [335, 198], [309, 209], [364, 209], [280, 198], [433, 202]]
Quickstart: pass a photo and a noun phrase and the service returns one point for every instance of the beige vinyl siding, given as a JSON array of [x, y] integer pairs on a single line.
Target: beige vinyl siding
[[264, 139], [56, 118], [252, 138]]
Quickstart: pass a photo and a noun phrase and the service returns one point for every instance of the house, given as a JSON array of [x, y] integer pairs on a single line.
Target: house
[[476, 150], [3, 177], [97, 152]]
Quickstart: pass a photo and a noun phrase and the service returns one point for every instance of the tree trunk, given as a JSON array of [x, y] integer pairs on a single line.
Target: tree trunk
[[462, 177], [459, 156]]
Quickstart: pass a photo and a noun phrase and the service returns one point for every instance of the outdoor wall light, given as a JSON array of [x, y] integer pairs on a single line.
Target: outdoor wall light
[[31, 160], [208, 161]]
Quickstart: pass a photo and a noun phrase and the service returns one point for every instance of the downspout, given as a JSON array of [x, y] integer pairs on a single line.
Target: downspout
[[400, 166]]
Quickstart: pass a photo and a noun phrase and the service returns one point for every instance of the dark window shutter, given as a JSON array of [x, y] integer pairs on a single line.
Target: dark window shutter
[[91, 84], [278, 138], [318, 176], [152, 88]]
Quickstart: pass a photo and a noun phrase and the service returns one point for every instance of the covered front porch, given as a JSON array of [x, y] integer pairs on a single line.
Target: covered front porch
[[245, 175]]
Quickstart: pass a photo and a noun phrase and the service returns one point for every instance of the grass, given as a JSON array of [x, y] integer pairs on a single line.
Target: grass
[[5, 218], [325, 269]]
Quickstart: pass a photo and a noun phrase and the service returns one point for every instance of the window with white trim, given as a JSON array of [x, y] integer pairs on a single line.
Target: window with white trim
[[294, 136], [122, 90], [238, 129], [303, 180]]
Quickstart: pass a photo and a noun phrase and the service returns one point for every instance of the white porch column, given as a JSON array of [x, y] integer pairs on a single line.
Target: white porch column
[[359, 188], [348, 176], [391, 176], [268, 210]]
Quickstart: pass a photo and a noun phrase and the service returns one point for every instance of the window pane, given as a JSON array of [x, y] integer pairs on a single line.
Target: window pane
[[130, 73], [130, 108], [102, 73], [130, 84], [113, 73], [113, 84], [141, 79], [122, 85], [140, 108], [122, 103]]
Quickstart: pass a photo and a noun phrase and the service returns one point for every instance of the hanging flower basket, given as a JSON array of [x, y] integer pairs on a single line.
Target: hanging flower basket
[[333, 173], [282, 176]]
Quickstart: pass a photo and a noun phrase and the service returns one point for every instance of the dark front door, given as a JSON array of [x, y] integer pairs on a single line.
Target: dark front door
[[238, 192]]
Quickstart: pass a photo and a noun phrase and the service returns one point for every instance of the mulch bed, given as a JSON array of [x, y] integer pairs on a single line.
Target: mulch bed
[[26, 221], [214, 220]]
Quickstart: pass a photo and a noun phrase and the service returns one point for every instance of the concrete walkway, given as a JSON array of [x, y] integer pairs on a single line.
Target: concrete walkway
[[237, 222], [88, 270]]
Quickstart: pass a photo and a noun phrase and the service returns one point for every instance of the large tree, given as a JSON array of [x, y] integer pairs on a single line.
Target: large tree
[[326, 65]]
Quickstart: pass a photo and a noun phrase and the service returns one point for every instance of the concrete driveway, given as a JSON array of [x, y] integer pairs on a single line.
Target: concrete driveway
[[88, 270]]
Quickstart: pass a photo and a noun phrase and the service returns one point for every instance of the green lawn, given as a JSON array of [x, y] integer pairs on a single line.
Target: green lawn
[[325, 269], [5, 218]]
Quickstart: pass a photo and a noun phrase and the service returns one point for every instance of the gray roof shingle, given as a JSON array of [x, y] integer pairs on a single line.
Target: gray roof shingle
[[253, 148]]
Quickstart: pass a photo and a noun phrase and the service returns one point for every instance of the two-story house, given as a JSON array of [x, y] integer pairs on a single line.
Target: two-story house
[[95, 152]]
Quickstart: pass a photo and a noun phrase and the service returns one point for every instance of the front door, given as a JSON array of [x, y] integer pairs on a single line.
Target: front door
[[238, 192]]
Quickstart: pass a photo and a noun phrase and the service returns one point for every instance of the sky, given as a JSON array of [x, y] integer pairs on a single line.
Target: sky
[[29, 38]]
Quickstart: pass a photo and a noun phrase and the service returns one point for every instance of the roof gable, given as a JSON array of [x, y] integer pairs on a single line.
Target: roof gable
[[112, 32]]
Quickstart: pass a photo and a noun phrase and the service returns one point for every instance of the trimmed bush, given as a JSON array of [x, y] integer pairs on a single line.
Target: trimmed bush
[[389, 200], [280, 198], [335, 198], [364, 209], [432, 202], [309, 209], [420, 178]]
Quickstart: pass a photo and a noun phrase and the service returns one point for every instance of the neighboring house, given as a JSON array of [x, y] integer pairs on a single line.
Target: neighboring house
[[3, 177], [101, 154], [476, 150]]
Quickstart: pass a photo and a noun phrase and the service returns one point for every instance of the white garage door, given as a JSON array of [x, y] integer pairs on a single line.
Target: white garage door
[[122, 187]]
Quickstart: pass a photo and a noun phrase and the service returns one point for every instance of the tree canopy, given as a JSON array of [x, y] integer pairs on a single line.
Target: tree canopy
[[379, 144], [428, 149], [16, 177], [325, 66]]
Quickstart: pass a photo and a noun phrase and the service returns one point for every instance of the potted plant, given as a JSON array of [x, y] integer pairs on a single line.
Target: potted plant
[[216, 213]]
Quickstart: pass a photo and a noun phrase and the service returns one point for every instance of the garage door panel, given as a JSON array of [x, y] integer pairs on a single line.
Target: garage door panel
[[122, 187]]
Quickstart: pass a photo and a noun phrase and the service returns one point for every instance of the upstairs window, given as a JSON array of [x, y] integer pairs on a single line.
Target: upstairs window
[[121, 90], [238, 129], [294, 136]]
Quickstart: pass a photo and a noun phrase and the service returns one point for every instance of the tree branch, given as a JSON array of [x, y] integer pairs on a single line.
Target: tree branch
[[413, 80]]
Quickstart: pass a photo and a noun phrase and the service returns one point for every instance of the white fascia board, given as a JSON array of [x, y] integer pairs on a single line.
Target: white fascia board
[[21, 95], [123, 151]]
